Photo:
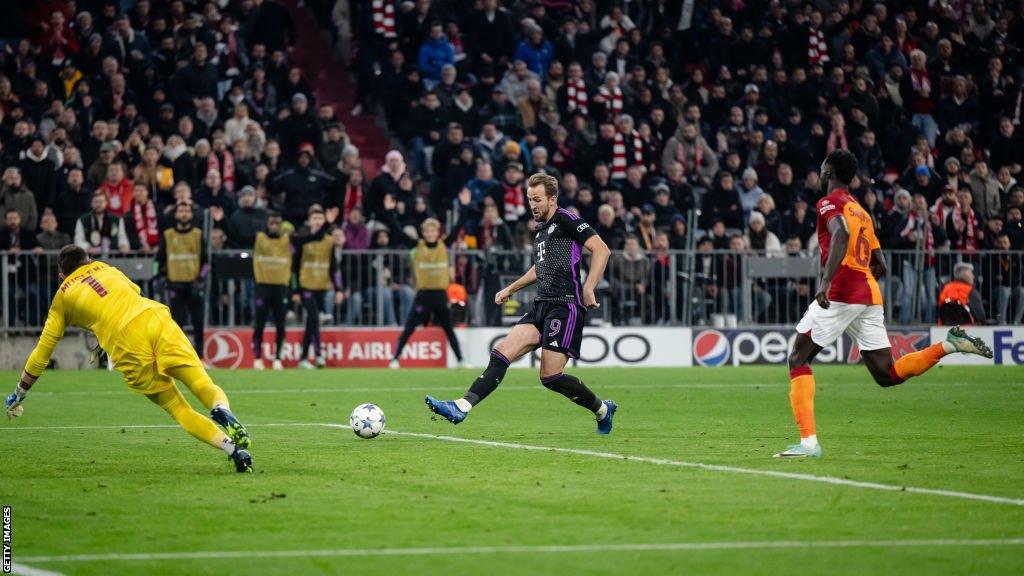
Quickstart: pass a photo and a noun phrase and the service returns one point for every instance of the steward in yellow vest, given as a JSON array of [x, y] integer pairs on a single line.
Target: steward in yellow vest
[[432, 272], [272, 270], [182, 259], [316, 271]]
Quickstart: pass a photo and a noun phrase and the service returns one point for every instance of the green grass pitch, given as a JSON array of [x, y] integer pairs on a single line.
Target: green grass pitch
[[93, 469]]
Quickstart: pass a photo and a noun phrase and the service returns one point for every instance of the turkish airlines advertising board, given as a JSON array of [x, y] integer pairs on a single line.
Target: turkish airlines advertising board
[[342, 347], [231, 348]]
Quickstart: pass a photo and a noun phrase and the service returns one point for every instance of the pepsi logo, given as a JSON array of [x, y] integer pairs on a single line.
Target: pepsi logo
[[711, 348], [223, 350]]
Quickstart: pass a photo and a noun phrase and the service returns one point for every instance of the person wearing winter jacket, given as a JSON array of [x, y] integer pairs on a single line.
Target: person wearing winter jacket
[[434, 54]]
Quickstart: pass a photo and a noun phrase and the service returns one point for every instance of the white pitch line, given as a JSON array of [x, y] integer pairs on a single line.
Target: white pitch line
[[555, 549], [15, 427], [23, 570], [607, 455], [718, 468], [342, 389], [514, 388]]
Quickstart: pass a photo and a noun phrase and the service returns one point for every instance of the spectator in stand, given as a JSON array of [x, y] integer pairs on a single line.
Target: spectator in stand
[[73, 200], [299, 128], [664, 211], [509, 194], [750, 192], [39, 173], [15, 196], [434, 54], [722, 202], [303, 186], [118, 189], [23, 291], [536, 52], [142, 221], [1009, 282], [357, 235], [100, 231], [157, 177], [15, 237], [689, 149], [610, 228], [50, 238], [248, 220], [631, 277], [385, 184]]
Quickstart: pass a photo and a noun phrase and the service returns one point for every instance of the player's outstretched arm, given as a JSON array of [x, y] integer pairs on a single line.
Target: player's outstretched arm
[[522, 282], [53, 331], [836, 252], [599, 255]]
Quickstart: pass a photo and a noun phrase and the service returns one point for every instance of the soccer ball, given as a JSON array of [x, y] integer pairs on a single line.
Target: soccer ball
[[367, 421]]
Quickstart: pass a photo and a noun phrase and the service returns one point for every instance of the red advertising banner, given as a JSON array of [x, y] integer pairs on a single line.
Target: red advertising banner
[[231, 348]]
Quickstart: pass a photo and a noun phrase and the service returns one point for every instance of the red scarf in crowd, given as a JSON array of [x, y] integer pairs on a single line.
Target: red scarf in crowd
[[384, 18], [817, 49], [576, 95], [144, 216], [836, 141], [926, 228], [612, 100], [698, 154], [921, 82], [621, 153], [969, 241], [943, 211], [513, 200], [353, 198], [226, 168], [969, 237]]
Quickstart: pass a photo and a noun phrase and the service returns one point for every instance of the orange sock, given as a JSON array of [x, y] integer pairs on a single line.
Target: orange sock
[[801, 398], [916, 363]]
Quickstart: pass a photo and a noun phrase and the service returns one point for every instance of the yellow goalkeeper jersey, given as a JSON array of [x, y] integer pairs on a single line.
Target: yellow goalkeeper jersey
[[96, 297]]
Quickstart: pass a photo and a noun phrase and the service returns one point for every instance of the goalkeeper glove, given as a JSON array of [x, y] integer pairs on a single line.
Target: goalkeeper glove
[[13, 402]]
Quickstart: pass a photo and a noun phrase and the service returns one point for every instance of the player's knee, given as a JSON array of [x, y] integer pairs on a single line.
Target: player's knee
[[551, 379], [796, 360], [883, 378]]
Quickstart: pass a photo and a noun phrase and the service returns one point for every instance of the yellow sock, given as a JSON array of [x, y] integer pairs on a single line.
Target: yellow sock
[[201, 385], [801, 398], [917, 363], [199, 426]]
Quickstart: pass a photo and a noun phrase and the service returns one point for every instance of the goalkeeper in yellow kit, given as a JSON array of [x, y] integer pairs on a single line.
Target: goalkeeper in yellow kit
[[144, 344]]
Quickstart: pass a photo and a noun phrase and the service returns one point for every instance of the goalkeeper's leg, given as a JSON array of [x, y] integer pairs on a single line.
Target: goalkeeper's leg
[[212, 396], [199, 426]]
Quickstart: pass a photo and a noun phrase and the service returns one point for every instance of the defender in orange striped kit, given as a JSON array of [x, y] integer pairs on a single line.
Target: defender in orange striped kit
[[849, 300]]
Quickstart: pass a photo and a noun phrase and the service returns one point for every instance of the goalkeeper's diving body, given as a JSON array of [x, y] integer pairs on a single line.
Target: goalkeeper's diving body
[[144, 344]]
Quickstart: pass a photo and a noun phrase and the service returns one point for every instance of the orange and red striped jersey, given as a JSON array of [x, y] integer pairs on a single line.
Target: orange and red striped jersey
[[853, 282]]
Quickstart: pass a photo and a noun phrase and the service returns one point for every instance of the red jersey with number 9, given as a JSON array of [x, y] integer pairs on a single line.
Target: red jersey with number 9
[[853, 282]]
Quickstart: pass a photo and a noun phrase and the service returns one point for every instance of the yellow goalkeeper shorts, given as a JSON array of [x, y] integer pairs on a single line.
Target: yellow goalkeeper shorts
[[152, 344]]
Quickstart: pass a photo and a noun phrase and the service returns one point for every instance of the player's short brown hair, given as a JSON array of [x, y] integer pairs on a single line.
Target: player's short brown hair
[[550, 183], [71, 258]]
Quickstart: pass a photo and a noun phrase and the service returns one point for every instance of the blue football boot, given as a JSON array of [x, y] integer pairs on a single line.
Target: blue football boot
[[604, 425], [446, 409]]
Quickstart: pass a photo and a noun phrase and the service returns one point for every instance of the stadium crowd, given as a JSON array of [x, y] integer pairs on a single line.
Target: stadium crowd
[[657, 117]]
